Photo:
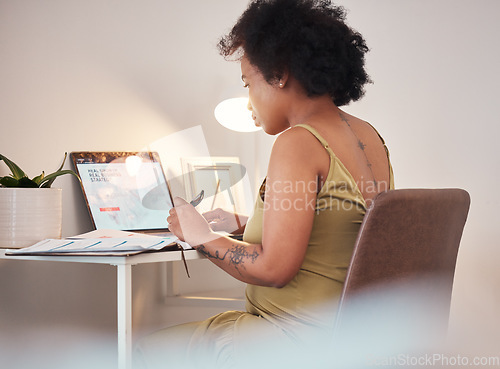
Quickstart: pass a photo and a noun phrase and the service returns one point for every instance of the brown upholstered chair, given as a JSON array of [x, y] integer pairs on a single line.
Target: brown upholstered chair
[[401, 273]]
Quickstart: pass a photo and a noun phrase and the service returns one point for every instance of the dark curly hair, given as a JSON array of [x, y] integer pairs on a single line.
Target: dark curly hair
[[307, 38]]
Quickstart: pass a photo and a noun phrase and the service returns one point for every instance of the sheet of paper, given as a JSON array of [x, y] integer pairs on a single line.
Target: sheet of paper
[[113, 233], [102, 241], [184, 245], [95, 245]]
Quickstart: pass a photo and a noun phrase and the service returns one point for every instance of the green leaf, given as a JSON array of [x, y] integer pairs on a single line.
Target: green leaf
[[49, 178], [52, 179], [25, 182], [9, 181], [17, 173], [39, 178]]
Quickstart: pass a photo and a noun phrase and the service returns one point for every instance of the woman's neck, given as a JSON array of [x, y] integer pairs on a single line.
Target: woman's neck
[[308, 110]]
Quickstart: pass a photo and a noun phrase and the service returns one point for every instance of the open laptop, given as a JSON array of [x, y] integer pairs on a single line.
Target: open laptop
[[125, 191]]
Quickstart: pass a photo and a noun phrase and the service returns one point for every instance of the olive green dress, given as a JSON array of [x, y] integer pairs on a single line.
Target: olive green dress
[[278, 321]]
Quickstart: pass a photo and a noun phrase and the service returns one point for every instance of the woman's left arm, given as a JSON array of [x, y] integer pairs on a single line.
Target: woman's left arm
[[289, 206]]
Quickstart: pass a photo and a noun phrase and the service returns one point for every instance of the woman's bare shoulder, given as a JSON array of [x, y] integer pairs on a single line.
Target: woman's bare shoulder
[[298, 138], [297, 147]]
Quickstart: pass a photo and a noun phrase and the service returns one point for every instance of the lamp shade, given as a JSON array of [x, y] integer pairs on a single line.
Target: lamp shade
[[233, 114]]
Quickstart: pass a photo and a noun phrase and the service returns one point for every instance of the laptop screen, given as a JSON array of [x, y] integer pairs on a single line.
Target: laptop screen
[[124, 190]]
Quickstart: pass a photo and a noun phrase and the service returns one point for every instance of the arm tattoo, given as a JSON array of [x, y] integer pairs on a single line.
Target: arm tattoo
[[237, 255]]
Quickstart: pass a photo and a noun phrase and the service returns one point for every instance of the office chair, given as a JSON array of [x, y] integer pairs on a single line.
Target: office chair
[[399, 283]]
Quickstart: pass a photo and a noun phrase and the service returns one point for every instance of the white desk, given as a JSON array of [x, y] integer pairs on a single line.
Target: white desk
[[124, 287]]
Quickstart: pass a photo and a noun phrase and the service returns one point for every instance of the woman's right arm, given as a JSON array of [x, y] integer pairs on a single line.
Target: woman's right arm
[[287, 220]]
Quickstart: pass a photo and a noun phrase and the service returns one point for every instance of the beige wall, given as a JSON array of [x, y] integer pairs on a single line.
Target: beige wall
[[117, 75]]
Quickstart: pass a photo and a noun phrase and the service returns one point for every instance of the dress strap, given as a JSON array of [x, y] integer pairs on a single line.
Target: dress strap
[[316, 134], [391, 171], [325, 144], [381, 139]]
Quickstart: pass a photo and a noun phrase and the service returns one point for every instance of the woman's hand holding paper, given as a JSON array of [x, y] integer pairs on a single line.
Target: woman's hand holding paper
[[189, 225]]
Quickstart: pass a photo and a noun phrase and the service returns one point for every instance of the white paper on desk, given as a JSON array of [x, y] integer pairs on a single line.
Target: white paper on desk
[[113, 233], [184, 245], [94, 245]]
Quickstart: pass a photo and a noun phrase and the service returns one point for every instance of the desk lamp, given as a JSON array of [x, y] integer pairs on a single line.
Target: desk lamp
[[233, 114]]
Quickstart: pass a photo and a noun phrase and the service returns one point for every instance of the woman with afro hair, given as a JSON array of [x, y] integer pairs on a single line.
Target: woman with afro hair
[[300, 62]]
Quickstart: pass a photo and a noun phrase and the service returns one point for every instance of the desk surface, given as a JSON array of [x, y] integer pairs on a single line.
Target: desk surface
[[152, 257]]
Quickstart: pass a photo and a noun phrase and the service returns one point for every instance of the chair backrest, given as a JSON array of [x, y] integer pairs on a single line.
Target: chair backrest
[[408, 241]]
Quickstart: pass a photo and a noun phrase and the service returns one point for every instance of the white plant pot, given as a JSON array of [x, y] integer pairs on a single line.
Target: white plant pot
[[29, 215]]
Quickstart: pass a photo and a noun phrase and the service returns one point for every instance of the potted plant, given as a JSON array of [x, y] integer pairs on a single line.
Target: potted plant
[[30, 209]]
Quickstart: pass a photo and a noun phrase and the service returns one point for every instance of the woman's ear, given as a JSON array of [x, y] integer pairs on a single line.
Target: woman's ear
[[283, 79]]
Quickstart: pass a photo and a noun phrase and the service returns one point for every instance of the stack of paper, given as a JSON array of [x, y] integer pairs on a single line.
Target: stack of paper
[[101, 242]]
